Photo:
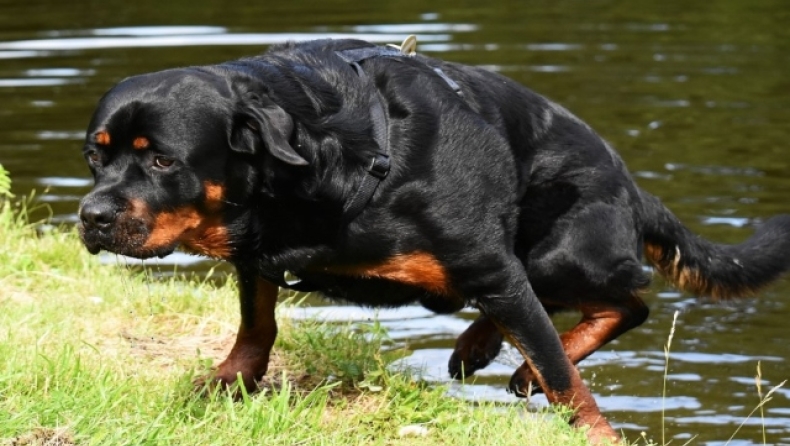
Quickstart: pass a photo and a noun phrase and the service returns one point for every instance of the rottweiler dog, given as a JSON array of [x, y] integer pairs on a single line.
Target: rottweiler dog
[[386, 179]]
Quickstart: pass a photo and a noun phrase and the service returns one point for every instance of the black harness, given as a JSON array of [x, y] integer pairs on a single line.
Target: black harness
[[380, 162], [379, 166]]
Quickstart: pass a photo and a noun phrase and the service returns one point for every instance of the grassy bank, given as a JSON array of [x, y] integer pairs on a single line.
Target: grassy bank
[[98, 354]]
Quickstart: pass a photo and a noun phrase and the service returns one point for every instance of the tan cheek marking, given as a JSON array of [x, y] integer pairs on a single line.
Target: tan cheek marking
[[211, 237], [169, 226], [103, 138], [141, 143], [197, 233], [418, 269]]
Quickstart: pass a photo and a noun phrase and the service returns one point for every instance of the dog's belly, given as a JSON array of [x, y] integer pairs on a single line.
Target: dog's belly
[[373, 292]]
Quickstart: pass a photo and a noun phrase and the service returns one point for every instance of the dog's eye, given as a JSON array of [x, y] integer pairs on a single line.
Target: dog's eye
[[163, 162]]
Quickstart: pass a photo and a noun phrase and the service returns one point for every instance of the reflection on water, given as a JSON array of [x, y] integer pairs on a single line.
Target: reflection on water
[[694, 95]]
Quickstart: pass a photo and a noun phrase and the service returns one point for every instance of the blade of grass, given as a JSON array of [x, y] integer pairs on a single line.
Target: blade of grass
[[667, 348]]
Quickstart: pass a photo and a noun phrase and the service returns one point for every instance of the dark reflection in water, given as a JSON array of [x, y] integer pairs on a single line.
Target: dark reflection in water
[[695, 95]]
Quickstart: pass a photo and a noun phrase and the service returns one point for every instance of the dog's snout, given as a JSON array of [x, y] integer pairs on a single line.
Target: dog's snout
[[98, 215]]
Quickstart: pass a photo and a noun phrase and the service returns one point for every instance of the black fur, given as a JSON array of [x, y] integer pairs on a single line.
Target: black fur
[[498, 198]]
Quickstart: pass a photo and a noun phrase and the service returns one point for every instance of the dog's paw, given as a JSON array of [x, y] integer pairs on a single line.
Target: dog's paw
[[523, 383], [461, 367], [237, 385], [475, 349]]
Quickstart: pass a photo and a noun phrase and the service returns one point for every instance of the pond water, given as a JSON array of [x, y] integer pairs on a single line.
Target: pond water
[[695, 96]]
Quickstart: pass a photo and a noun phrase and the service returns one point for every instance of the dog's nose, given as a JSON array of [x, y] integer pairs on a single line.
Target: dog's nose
[[98, 215]]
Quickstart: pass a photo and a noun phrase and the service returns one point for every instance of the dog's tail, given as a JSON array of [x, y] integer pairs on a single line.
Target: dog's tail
[[708, 269]]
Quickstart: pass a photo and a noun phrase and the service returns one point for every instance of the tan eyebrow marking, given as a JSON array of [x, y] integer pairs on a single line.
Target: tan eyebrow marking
[[103, 138], [141, 143]]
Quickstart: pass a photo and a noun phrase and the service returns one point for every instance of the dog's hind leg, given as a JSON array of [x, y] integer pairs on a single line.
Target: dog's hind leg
[[601, 322], [520, 317], [478, 345], [590, 263]]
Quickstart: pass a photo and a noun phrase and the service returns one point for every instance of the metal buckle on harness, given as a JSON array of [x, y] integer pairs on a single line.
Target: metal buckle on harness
[[379, 166], [408, 47]]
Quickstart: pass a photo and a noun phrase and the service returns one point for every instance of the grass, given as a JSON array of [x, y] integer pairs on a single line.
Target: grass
[[99, 354], [763, 399], [667, 348]]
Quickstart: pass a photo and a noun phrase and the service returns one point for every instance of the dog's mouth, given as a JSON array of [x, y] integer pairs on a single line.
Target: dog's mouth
[[126, 238], [159, 235], [133, 228]]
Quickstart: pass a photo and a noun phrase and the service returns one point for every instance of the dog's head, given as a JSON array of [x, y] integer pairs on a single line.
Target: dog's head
[[172, 153]]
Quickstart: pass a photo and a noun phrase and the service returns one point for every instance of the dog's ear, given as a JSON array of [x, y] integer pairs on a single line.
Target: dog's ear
[[272, 126]]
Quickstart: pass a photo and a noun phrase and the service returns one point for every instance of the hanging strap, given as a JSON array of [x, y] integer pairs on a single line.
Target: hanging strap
[[379, 166]]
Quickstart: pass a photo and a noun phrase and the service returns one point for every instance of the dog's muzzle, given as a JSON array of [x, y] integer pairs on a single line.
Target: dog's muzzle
[[106, 223]]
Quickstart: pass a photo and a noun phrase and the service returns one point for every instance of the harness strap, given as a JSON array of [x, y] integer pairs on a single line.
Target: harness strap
[[379, 166], [453, 84]]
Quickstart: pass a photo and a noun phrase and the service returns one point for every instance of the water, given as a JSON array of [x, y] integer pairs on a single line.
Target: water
[[695, 96]]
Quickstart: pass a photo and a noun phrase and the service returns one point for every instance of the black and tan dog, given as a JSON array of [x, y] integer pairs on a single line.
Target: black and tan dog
[[385, 179]]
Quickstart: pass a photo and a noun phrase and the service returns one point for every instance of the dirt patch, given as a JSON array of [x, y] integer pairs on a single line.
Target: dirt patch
[[179, 352], [166, 352], [175, 352], [43, 436]]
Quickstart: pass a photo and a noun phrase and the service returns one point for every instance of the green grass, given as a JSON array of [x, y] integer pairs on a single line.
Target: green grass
[[100, 354]]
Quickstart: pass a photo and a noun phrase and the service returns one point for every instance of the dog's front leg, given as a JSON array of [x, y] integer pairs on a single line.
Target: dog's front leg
[[257, 332], [522, 320]]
